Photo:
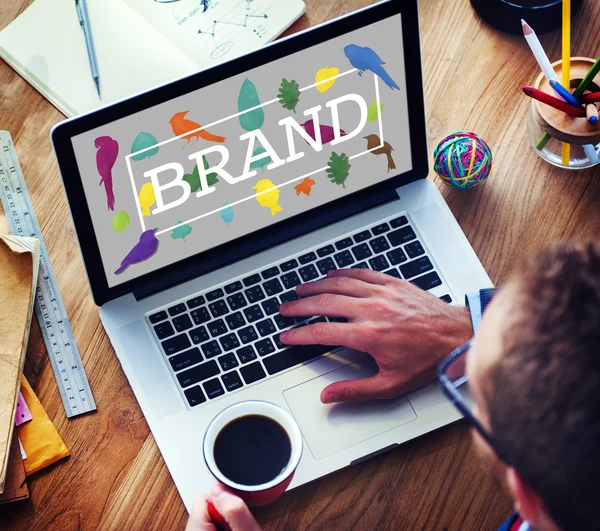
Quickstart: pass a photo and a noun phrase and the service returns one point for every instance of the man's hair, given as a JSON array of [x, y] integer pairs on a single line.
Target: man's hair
[[544, 393]]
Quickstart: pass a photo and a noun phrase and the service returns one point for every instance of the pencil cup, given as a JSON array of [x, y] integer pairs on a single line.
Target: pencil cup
[[548, 128]]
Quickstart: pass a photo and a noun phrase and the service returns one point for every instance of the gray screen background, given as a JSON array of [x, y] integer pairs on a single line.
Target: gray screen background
[[218, 101]]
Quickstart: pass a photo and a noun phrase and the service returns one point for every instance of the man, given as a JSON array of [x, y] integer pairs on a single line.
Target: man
[[533, 371]]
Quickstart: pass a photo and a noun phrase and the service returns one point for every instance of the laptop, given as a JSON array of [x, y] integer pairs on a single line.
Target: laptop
[[200, 206]]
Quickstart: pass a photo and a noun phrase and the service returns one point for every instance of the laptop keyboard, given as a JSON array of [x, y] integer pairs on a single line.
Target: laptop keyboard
[[227, 337]]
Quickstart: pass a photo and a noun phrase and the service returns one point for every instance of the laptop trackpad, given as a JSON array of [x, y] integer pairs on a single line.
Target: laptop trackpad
[[329, 428]]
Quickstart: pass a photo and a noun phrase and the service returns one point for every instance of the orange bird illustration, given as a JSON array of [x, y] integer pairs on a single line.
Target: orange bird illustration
[[305, 186], [181, 125]]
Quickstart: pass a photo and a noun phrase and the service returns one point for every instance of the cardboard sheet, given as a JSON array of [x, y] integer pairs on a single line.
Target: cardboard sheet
[[19, 260]]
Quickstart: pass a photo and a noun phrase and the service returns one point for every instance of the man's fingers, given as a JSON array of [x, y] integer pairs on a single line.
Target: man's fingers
[[233, 509], [374, 387], [340, 285], [366, 275], [324, 304], [330, 334], [199, 518]]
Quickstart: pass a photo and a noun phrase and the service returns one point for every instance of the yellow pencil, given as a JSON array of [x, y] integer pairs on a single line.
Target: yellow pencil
[[566, 65]]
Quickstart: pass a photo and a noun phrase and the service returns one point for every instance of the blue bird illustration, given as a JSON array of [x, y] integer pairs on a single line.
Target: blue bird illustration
[[366, 59]]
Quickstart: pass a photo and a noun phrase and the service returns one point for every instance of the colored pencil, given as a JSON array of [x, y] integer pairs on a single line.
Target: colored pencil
[[564, 93], [591, 153], [566, 66], [592, 97], [591, 112], [545, 65], [538, 51], [548, 99], [589, 77]]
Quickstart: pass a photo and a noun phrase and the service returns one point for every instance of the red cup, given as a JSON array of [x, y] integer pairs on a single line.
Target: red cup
[[255, 495]]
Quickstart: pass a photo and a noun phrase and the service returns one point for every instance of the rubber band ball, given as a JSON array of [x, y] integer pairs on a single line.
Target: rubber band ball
[[463, 160]]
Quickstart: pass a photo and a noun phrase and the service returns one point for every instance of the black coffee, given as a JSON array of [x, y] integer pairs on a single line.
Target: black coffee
[[252, 450]]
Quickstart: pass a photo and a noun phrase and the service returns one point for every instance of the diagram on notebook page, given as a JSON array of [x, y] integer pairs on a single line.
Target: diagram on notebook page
[[211, 29]]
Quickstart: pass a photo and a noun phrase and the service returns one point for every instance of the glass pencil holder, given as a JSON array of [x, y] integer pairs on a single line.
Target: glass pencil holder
[[549, 129]]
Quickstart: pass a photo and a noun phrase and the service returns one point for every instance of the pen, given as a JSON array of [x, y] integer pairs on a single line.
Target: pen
[[84, 21]]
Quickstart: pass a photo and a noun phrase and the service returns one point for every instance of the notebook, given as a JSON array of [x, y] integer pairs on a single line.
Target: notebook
[[139, 44], [19, 261]]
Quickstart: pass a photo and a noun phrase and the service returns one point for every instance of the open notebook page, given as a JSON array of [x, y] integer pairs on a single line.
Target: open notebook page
[[46, 46]]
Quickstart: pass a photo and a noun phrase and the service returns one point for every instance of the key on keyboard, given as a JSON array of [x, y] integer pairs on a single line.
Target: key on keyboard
[[232, 381], [253, 372], [157, 317], [164, 330], [176, 344], [306, 258], [293, 356], [198, 374], [214, 295]]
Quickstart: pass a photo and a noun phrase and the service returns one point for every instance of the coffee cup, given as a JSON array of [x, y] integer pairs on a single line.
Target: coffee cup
[[253, 448]]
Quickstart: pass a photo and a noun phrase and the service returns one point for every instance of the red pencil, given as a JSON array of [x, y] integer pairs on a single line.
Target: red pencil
[[546, 98], [590, 98]]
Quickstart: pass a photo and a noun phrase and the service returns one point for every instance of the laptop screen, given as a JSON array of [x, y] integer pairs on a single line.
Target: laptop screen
[[234, 158]]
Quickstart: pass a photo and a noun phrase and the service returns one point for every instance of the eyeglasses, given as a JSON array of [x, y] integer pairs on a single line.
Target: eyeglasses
[[453, 379]]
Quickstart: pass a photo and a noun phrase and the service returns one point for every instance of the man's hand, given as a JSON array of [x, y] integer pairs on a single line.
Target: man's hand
[[407, 331], [230, 507]]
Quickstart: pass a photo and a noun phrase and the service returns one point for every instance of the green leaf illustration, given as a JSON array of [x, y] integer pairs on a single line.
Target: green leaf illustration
[[193, 179], [374, 111], [289, 94], [121, 221], [260, 163], [338, 168], [248, 99], [181, 232]]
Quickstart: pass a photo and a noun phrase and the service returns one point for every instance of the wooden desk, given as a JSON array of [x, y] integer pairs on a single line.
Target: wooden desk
[[116, 478]]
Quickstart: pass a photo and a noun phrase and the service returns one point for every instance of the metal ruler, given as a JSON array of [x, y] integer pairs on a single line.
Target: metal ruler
[[49, 307]]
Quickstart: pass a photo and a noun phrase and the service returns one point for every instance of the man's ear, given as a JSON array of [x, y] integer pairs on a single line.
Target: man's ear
[[527, 502]]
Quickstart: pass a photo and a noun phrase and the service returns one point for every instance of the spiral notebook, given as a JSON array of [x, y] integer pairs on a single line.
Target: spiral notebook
[[140, 44]]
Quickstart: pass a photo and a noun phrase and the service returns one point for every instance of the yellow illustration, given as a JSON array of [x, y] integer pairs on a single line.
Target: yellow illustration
[[268, 199], [146, 198], [322, 75]]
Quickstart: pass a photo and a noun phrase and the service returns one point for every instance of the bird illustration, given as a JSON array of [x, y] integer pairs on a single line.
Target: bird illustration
[[327, 132], [142, 250], [305, 186], [268, 199], [373, 141], [366, 59], [106, 156], [181, 126]]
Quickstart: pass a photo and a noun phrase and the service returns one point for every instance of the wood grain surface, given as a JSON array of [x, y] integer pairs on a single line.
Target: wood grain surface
[[115, 477]]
